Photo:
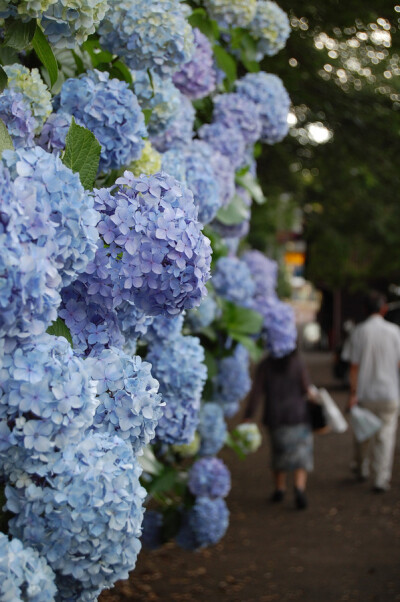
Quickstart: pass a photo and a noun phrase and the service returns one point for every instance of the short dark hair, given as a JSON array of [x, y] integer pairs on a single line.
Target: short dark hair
[[374, 301]]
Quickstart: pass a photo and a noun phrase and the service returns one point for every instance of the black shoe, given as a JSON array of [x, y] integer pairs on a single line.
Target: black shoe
[[379, 489], [277, 496], [300, 499]]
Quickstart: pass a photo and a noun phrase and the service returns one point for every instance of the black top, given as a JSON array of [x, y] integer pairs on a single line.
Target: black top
[[282, 386]]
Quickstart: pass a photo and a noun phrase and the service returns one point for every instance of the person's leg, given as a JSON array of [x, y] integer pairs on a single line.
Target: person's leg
[[280, 486], [300, 482], [383, 444], [361, 459]]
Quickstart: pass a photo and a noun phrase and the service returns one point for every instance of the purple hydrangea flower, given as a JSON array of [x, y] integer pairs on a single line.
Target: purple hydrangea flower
[[232, 382], [178, 366], [267, 91], [109, 109], [209, 477], [204, 524], [179, 131], [264, 272], [54, 132], [234, 111], [233, 281], [280, 328], [197, 78], [212, 429], [152, 530], [227, 140], [17, 116]]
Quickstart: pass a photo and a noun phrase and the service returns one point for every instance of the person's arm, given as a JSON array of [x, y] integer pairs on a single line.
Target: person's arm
[[257, 392], [353, 386]]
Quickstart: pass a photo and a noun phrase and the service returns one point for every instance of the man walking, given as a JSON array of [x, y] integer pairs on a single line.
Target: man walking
[[374, 384]]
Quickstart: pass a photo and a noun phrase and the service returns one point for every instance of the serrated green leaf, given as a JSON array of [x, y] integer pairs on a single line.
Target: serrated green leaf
[[60, 329], [3, 79], [45, 54], [18, 34], [82, 154], [234, 213], [6, 142], [249, 182], [225, 62]]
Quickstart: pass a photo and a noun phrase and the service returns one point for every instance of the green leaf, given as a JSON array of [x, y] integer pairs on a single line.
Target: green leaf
[[3, 79], [122, 72], [240, 320], [234, 213], [147, 114], [254, 350], [225, 62], [80, 68], [45, 54], [249, 182], [164, 481], [60, 329], [149, 462], [17, 34], [8, 56], [82, 154], [211, 364], [230, 442], [202, 21], [6, 142], [97, 55]]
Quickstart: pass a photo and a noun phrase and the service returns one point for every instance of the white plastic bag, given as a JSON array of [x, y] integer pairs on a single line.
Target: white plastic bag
[[333, 415], [364, 423]]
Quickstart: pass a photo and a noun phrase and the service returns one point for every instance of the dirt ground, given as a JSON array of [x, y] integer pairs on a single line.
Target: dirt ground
[[345, 546]]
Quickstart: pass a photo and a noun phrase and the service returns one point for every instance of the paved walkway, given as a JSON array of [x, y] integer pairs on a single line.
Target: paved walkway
[[345, 546]]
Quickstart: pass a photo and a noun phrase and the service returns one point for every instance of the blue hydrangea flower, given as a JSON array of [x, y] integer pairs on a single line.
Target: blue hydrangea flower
[[227, 140], [34, 91], [212, 429], [178, 366], [204, 524], [179, 131], [201, 179], [17, 116], [271, 27], [54, 132], [204, 315], [152, 530], [164, 328], [234, 111], [173, 162], [47, 400], [93, 326], [90, 510], [67, 24], [231, 13], [197, 78], [109, 109], [130, 405], [56, 212], [280, 328], [159, 96], [24, 575], [265, 273], [233, 233], [151, 34], [232, 280], [267, 91], [209, 477], [133, 321], [225, 177], [159, 257], [232, 382]]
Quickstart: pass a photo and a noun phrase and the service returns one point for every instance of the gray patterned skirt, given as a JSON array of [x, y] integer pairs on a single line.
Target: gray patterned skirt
[[292, 447]]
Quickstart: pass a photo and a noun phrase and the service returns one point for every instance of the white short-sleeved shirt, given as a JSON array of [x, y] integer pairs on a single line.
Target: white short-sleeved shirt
[[375, 348]]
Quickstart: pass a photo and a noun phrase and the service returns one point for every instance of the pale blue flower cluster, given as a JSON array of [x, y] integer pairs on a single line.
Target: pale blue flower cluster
[[133, 321], [56, 212], [109, 109], [68, 24], [93, 326], [265, 273], [224, 176], [197, 78], [232, 382], [280, 328], [17, 116], [178, 366], [47, 401], [267, 91], [179, 131], [24, 575], [204, 524], [227, 140], [173, 162], [54, 132], [209, 477], [164, 328], [34, 91], [86, 519], [159, 96], [201, 179], [235, 111], [152, 530], [159, 257], [129, 403], [212, 429], [271, 27], [148, 34], [232, 280], [204, 315], [231, 13]]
